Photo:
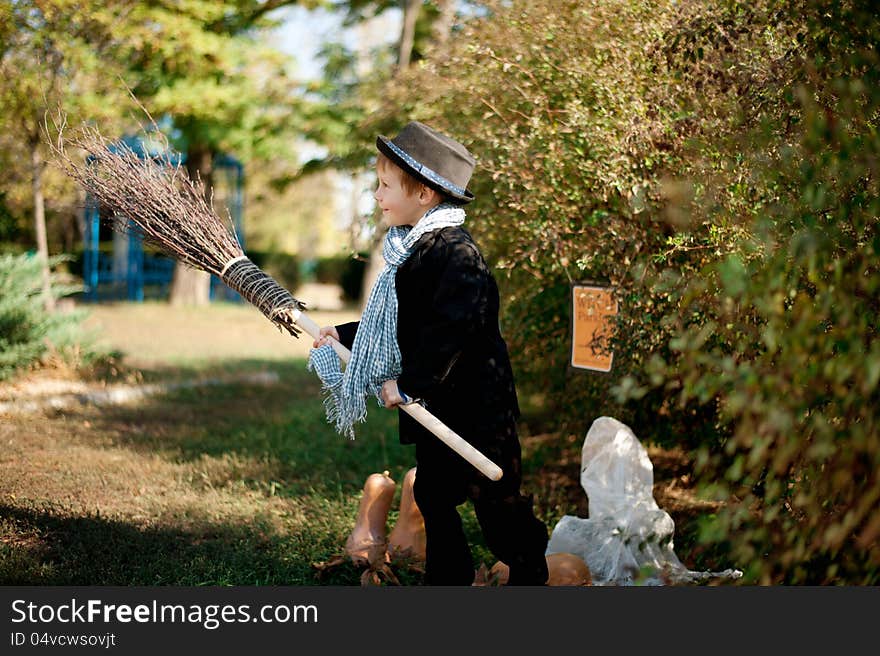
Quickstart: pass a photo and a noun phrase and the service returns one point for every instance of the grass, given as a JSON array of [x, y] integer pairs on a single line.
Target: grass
[[224, 485], [231, 484]]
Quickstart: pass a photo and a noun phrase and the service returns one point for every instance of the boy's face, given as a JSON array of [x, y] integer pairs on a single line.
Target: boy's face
[[399, 207]]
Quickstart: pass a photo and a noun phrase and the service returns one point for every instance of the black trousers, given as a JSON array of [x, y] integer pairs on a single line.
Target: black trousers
[[445, 480]]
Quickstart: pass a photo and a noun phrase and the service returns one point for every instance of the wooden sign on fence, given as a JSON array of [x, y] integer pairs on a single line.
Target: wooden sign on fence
[[593, 311]]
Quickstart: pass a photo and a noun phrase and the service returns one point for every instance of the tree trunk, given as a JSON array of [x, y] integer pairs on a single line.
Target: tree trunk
[[442, 27], [37, 167], [411, 10], [408, 32], [190, 286]]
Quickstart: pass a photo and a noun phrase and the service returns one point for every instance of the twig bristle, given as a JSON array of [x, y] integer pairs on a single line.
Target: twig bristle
[[161, 202]]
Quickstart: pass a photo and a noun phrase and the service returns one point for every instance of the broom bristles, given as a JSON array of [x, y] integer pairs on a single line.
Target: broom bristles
[[169, 210], [166, 207]]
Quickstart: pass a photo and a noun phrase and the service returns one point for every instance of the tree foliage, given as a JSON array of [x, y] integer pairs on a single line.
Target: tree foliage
[[203, 64], [51, 54], [200, 63], [343, 116]]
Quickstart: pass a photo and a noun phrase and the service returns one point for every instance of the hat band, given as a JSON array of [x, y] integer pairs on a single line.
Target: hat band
[[425, 171]]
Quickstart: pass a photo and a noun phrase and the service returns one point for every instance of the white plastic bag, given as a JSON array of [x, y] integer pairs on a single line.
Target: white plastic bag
[[626, 531]]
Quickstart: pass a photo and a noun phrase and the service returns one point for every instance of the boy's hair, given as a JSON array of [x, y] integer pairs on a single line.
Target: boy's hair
[[410, 185]]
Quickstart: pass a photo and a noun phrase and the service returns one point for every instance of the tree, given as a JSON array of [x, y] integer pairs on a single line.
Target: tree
[[411, 9], [202, 64], [346, 121], [49, 55]]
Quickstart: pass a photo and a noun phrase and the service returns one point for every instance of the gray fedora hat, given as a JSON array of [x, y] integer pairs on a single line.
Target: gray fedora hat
[[431, 157]]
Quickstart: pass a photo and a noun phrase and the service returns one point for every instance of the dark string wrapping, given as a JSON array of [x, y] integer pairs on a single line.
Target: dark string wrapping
[[261, 290]]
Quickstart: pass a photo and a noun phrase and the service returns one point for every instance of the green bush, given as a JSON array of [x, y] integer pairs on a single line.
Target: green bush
[[28, 333], [572, 120], [352, 278], [328, 270], [11, 248], [347, 271], [780, 332]]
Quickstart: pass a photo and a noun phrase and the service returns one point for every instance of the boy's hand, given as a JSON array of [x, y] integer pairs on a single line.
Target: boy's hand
[[391, 395], [324, 335]]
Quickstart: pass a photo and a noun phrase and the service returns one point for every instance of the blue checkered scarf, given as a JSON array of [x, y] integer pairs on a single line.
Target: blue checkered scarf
[[375, 355]]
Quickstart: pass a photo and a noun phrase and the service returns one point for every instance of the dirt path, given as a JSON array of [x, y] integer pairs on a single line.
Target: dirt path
[[154, 334], [40, 394]]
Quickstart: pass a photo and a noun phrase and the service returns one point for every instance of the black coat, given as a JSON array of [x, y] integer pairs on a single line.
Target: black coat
[[453, 355]]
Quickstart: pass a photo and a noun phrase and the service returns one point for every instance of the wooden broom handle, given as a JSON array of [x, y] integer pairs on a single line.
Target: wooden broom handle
[[416, 411]]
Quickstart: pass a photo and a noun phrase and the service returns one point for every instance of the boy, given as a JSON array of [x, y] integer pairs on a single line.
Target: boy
[[430, 332]]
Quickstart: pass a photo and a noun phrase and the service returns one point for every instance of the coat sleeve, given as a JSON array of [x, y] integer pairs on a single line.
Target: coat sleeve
[[347, 331], [456, 315]]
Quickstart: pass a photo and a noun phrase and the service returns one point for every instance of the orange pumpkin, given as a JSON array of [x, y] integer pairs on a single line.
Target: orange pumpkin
[[367, 542], [568, 569], [407, 540], [565, 569]]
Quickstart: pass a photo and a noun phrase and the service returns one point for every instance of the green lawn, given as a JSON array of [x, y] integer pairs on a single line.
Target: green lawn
[[232, 483]]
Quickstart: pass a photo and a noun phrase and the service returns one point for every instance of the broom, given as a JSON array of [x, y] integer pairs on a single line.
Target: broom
[[169, 210]]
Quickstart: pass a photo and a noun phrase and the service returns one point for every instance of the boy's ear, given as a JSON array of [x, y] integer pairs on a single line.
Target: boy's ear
[[428, 195]]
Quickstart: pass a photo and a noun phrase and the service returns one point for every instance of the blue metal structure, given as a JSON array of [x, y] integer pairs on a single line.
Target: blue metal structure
[[106, 275]]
